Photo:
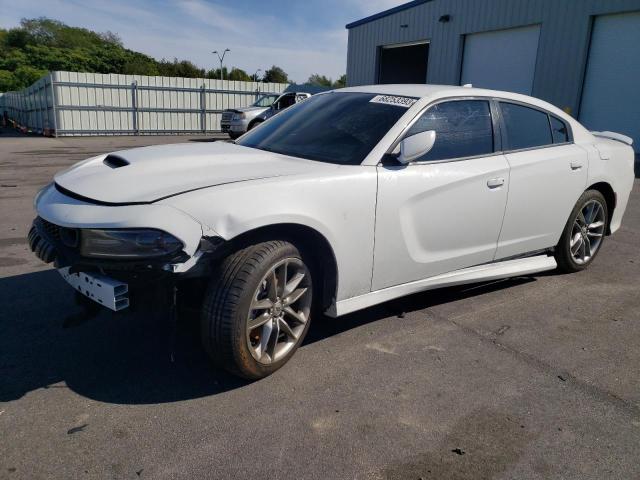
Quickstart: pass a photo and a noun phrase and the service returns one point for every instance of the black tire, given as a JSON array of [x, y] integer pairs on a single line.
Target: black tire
[[234, 135], [254, 124], [564, 257], [227, 303]]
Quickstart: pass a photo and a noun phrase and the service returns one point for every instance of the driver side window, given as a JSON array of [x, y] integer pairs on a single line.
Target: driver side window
[[286, 102], [463, 129]]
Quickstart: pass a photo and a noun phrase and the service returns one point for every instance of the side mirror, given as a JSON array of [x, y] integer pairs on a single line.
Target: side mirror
[[415, 146]]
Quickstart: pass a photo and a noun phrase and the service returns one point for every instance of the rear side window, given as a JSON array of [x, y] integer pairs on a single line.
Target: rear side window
[[559, 130], [526, 127], [463, 129]]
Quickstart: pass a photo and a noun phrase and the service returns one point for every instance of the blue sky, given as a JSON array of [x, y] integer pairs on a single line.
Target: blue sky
[[303, 37]]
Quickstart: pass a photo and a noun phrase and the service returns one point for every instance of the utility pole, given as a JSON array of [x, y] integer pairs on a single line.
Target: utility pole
[[221, 58]]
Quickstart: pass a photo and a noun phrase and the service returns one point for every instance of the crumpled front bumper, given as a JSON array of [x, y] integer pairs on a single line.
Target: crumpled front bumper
[[55, 234], [40, 244]]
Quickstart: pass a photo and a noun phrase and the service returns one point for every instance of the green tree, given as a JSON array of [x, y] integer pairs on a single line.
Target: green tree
[[8, 81], [214, 73], [275, 75], [320, 80], [239, 74], [26, 75], [42, 44], [179, 68], [234, 74], [17, 38], [341, 82], [323, 81]]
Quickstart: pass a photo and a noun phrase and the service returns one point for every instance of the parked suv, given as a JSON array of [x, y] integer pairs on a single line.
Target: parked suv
[[284, 102], [235, 121]]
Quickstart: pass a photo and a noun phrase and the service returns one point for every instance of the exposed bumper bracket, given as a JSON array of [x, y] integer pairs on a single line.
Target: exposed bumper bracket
[[103, 290]]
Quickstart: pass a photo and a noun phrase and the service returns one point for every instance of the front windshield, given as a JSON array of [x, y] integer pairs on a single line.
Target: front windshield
[[334, 127], [265, 101]]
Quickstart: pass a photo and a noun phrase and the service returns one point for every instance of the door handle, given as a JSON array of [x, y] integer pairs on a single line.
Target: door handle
[[495, 182], [576, 165]]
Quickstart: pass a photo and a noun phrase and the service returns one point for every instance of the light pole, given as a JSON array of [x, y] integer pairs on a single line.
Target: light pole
[[255, 79], [221, 58]]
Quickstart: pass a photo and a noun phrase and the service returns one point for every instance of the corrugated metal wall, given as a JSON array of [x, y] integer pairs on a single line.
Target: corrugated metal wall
[[71, 103], [32, 106], [562, 51]]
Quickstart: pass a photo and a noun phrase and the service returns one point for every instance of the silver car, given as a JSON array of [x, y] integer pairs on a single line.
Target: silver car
[[235, 121], [282, 103]]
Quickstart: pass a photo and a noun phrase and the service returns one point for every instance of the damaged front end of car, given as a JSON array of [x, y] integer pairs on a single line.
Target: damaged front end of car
[[110, 265]]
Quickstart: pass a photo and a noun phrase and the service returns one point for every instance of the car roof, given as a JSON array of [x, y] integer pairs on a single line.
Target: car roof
[[434, 92], [406, 90]]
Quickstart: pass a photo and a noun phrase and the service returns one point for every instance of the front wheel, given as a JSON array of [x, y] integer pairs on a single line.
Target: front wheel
[[584, 233], [257, 309]]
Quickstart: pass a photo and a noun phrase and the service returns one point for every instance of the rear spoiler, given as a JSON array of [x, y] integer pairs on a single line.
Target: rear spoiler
[[614, 136]]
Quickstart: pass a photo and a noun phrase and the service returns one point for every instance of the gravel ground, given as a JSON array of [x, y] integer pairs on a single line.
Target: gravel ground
[[529, 378]]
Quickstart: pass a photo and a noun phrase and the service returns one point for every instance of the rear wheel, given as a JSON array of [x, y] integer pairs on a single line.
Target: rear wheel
[[584, 233], [257, 309]]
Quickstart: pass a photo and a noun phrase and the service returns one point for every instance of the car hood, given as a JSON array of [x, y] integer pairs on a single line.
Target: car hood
[[246, 109], [148, 174]]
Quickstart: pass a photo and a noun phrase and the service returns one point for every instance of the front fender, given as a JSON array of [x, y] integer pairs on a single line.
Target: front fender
[[339, 204]]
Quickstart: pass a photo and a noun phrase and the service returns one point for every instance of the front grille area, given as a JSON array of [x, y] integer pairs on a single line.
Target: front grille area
[[50, 229], [41, 240], [70, 237], [226, 116], [46, 238]]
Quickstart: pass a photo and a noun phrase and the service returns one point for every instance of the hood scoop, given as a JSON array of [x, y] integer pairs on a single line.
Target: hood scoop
[[114, 161], [149, 174]]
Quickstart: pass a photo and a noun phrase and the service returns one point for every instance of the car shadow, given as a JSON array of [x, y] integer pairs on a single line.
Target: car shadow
[[135, 358]]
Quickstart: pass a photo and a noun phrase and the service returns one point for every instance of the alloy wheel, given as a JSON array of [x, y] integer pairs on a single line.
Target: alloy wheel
[[588, 230], [279, 311]]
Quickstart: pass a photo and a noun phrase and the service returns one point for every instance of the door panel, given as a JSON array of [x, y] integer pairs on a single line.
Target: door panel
[[434, 218], [544, 186]]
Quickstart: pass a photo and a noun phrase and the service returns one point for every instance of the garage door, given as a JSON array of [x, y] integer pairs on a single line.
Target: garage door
[[405, 63], [611, 97], [501, 59]]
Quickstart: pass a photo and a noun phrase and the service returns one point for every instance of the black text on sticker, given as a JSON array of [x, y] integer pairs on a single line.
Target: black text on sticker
[[405, 102]]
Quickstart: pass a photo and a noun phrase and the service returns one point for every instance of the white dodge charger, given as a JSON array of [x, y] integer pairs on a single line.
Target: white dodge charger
[[349, 199]]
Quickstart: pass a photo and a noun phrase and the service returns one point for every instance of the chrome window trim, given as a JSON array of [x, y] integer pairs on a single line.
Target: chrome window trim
[[457, 159]]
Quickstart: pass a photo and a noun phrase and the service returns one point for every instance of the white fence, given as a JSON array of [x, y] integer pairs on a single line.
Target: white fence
[[71, 103]]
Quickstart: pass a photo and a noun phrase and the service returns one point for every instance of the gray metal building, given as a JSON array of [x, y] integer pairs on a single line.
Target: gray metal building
[[581, 55]]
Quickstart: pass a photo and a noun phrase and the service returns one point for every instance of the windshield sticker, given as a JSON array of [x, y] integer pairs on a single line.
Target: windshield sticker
[[404, 102]]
